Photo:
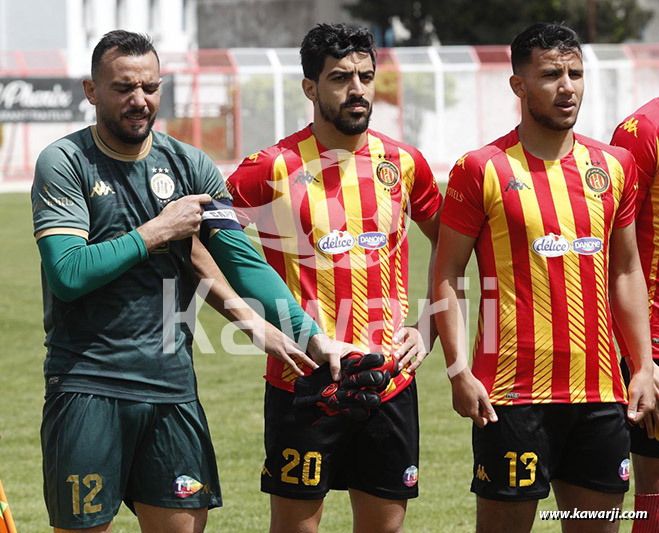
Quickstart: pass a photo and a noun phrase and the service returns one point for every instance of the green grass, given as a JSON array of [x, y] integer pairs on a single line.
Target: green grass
[[231, 389]]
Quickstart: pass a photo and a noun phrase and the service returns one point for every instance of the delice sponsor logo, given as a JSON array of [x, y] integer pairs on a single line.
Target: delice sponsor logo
[[587, 245], [337, 242], [372, 240], [551, 245]]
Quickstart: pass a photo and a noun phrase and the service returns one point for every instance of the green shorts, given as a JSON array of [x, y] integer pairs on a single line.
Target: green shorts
[[98, 451]]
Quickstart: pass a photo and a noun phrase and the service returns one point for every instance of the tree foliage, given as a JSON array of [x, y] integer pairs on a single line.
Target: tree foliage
[[498, 21]]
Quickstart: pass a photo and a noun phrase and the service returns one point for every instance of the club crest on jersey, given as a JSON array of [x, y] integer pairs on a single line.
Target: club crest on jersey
[[597, 180], [162, 184], [387, 173], [587, 245], [411, 476], [372, 240], [185, 486], [551, 245], [337, 242]]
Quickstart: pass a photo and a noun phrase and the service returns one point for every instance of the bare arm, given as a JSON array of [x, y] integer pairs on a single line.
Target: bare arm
[[419, 338], [263, 334], [629, 305], [470, 399]]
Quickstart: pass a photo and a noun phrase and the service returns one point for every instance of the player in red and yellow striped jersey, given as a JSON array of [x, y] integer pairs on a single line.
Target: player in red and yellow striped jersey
[[639, 133], [550, 215], [331, 203]]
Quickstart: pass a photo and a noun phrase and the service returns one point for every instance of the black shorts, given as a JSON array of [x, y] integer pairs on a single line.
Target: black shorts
[[516, 458], [306, 456], [641, 443]]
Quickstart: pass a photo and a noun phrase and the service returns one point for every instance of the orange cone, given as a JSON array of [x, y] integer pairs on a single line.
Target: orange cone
[[6, 521]]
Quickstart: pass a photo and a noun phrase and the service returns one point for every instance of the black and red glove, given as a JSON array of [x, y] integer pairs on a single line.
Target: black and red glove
[[363, 377], [368, 371]]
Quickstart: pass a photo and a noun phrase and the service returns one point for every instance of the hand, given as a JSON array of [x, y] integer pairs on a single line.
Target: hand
[[273, 342], [470, 399], [413, 347], [643, 399], [651, 420], [325, 350], [178, 220]]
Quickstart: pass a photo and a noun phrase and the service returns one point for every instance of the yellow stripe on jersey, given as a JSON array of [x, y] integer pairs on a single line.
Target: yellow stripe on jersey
[[653, 192], [283, 216], [542, 323], [504, 380], [352, 203], [385, 216], [601, 276], [407, 168], [320, 215], [573, 285]]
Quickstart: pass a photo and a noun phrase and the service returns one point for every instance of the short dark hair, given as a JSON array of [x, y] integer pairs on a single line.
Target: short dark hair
[[128, 43], [543, 35], [336, 40]]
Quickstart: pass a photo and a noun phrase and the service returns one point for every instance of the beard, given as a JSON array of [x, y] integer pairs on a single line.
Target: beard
[[547, 121], [343, 120], [128, 136]]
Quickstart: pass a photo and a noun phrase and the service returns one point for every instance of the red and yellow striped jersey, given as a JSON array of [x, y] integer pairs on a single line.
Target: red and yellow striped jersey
[[542, 233], [639, 133], [333, 224]]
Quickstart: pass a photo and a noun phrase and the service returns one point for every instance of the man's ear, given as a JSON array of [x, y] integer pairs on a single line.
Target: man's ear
[[90, 90], [517, 85], [310, 87]]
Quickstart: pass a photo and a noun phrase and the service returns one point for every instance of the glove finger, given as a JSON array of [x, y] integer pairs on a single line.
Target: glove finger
[[361, 362], [368, 378]]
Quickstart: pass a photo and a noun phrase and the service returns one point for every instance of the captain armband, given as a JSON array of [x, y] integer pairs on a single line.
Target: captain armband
[[218, 214]]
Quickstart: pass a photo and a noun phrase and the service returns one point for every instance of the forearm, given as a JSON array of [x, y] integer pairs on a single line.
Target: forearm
[[251, 277], [450, 323], [73, 268], [221, 296], [629, 305]]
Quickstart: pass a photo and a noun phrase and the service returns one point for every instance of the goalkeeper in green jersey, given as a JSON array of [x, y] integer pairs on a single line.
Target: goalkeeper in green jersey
[[116, 207]]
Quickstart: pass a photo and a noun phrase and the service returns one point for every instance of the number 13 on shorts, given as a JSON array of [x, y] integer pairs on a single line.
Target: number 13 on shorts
[[527, 459]]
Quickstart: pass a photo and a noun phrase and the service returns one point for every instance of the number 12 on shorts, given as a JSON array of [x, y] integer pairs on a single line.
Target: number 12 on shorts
[[91, 481], [529, 460]]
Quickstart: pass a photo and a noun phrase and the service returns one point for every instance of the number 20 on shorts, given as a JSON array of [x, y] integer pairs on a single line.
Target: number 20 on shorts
[[311, 463]]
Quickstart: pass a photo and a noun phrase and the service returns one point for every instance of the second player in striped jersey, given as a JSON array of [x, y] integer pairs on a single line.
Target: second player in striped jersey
[[550, 214], [639, 133], [331, 204]]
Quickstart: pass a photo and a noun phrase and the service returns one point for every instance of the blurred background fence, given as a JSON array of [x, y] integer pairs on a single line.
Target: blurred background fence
[[445, 100]]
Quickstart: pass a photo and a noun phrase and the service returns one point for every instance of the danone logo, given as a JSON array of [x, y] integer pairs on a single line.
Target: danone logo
[[551, 245], [372, 240], [587, 245], [336, 242]]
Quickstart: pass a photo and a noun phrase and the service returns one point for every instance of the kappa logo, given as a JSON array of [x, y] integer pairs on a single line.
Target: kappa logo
[[265, 471], [482, 475], [305, 177], [101, 189], [516, 184], [630, 126]]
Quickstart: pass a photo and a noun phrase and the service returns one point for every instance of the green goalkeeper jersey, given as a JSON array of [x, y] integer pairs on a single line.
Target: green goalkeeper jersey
[[114, 341]]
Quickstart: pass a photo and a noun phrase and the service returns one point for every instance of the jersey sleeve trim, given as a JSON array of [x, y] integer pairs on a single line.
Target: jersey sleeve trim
[[61, 231]]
